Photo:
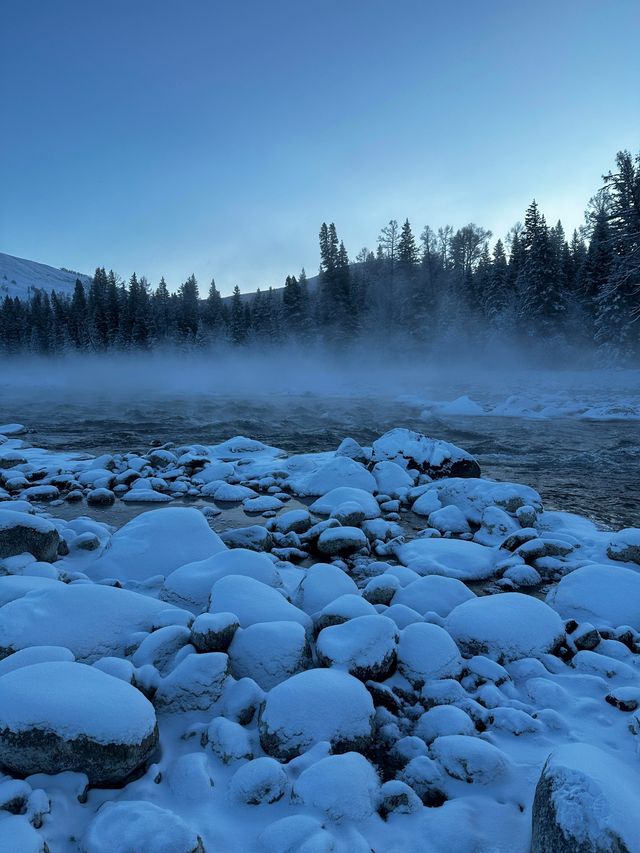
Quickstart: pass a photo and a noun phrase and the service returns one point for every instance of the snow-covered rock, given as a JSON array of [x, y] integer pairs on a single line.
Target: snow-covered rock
[[341, 540], [20, 533], [252, 602], [427, 652], [195, 683], [156, 543], [505, 627], [213, 632], [269, 652], [321, 585], [603, 595], [332, 474], [433, 594], [585, 800], [428, 455], [443, 720], [313, 706], [365, 647], [473, 496], [453, 558], [60, 716], [89, 619], [342, 786], [259, 781], [333, 500], [140, 826], [470, 759], [625, 545], [190, 585]]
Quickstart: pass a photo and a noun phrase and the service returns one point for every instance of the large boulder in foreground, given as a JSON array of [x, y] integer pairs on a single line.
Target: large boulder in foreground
[[22, 533], [62, 716], [585, 802], [430, 456], [505, 627], [313, 706]]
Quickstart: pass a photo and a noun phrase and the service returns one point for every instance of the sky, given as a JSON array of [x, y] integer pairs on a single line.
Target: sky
[[215, 137]]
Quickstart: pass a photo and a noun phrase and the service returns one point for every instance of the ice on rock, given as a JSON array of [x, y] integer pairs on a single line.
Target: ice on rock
[[195, 683], [190, 585], [22, 533], [90, 620], [314, 706], [156, 543], [333, 474], [331, 501], [252, 602], [262, 780], [269, 652], [434, 594], [470, 759], [453, 558], [586, 799], [365, 647], [604, 595], [344, 787], [505, 627], [140, 826], [427, 652], [59, 716], [428, 455], [321, 585]]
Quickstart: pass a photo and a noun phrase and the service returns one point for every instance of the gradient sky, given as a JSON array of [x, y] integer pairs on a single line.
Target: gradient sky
[[215, 137]]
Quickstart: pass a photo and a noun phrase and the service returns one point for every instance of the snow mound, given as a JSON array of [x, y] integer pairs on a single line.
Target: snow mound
[[156, 543], [434, 594], [333, 499], [505, 627], [313, 706], [470, 759], [342, 786], [453, 558], [252, 602], [90, 620], [140, 826], [603, 595], [427, 652], [321, 585], [472, 496], [336, 473], [190, 585]]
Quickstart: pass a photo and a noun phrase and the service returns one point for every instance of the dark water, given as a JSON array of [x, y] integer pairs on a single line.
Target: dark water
[[589, 467]]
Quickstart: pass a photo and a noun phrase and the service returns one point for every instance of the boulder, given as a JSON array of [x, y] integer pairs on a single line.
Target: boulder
[[427, 652], [21, 533], [428, 455], [269, 652], [313, 706], [365, 647], [58, 716], [585, 802], [128, 825]]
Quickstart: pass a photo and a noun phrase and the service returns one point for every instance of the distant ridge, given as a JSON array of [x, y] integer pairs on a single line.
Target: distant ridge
[[20, 277]]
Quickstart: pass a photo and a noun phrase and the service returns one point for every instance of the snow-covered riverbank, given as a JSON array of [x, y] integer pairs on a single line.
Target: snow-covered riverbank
[[384, 652]]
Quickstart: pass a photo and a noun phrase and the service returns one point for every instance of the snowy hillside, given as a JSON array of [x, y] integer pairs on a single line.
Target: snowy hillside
[[19, 277]]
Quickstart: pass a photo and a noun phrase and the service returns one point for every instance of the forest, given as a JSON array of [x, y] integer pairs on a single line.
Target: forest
[[538, 288]]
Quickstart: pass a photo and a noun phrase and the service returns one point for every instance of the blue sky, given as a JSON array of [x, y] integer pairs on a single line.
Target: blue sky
[[214, 138]]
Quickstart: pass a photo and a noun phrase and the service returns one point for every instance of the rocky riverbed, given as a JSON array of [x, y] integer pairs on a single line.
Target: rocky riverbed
[[230, 646]]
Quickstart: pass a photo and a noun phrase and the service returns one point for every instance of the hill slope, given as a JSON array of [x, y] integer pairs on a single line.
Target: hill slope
[[19, 277]]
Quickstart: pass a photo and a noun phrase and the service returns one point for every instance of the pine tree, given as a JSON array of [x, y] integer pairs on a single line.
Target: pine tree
[[238, 330]]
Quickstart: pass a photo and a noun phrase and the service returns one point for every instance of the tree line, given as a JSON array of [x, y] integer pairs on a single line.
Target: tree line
[[536, 287]]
